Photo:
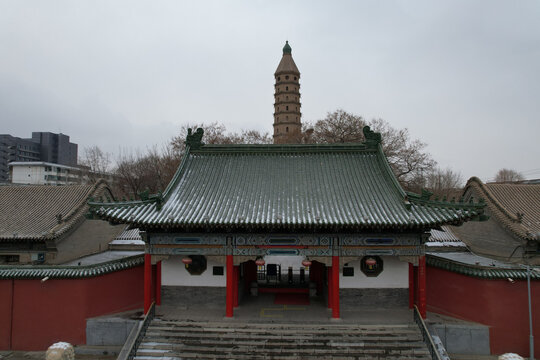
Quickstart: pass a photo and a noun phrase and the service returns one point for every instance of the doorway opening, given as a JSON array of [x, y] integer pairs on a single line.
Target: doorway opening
[[289, 279]]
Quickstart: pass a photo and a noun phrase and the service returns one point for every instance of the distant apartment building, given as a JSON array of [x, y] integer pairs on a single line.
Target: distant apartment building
[[45, 173], [41, 147]]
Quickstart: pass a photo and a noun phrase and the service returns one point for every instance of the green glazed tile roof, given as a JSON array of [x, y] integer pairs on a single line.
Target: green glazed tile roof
[[292, 187], [68, 272], [496, 270]]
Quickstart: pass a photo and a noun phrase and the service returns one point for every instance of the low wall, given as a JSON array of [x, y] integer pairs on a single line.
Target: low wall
[[463, 339], [376, 298], [36, 314], [211, 296], [499, 304]]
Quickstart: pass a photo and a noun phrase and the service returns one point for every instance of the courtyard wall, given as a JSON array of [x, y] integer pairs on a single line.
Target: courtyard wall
[[36, 314], [500, 304]]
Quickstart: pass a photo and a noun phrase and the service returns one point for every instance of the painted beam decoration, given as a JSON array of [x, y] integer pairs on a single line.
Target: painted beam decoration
[[305, 245]]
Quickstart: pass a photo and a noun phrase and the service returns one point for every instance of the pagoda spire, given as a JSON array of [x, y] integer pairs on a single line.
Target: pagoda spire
[[287, 115]]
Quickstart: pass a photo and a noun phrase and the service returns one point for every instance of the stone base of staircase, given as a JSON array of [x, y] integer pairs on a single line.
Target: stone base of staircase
[[176, 339]]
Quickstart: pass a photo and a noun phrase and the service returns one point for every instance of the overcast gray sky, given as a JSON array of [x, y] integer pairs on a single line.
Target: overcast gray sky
[[462, 76]]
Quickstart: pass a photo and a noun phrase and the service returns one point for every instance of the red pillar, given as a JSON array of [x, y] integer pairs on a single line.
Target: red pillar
[[158, 283], [147, 282], [236, 284], [422, 286], [411, 286], [335, 287], [329, 287], [229, 310]]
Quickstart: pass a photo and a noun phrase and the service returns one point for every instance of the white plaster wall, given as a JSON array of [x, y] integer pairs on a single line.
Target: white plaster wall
[[174, 273], [395, 274], [28, 175]]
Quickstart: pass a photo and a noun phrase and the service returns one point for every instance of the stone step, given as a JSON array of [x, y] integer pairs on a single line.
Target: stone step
[[168, 339], [256, 329], [239, 325], [284, 339], [284, 332], [186, 356], [203, 351], [283, 344]]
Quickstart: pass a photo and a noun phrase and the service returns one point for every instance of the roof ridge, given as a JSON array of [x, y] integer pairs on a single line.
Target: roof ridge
[[498, 208], [478, 270], [69, 271], [280, 148], [77, 214], [490, 196]]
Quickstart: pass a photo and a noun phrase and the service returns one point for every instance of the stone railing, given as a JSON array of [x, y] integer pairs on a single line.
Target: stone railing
[[428, 340], [129, 350]]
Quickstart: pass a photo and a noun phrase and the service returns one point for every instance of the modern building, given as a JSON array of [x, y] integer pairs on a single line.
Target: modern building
[[44, 173], [287, 115], [14, 149], [42, 146], [56, 148]]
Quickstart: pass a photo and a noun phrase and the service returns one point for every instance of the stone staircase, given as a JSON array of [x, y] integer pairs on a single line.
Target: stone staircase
[[168, 339]]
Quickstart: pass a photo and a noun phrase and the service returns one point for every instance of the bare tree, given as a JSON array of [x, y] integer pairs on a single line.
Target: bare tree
[[337, 127], [95, 163], [255, 137], [444, 183], [152, 171], [508, 175], [406, 156], [96, 159], [129, 170], [216, 133]]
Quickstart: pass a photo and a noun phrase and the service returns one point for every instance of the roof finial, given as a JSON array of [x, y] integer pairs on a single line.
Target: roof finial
[[287, 48], [193, 140]]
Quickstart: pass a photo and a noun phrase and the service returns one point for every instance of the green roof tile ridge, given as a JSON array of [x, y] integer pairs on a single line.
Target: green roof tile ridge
[[281, 148], [477, 270], [68, 271], [390, 174], [424, 199]]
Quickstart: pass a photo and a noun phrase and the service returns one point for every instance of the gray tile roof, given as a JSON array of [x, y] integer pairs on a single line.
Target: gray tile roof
[[506, 234], [444, 238], [43, 212], [129, 235]]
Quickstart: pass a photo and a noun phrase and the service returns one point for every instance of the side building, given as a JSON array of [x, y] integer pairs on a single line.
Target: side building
[[47, 224]]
